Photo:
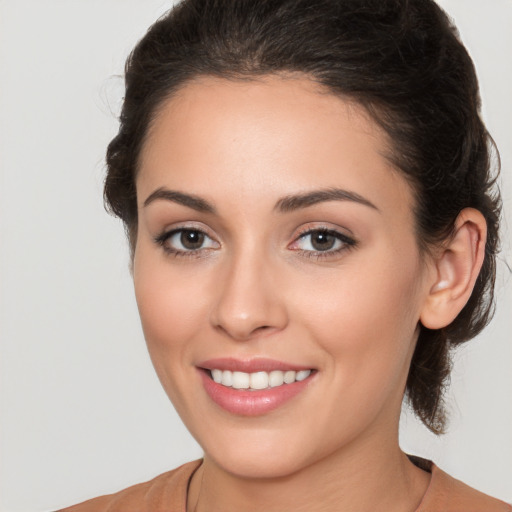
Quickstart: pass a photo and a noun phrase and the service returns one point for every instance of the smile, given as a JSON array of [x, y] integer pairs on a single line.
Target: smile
[[257, 380], [253, 387]]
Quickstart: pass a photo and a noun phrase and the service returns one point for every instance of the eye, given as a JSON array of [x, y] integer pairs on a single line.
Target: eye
[[317, 241], [185, 240]]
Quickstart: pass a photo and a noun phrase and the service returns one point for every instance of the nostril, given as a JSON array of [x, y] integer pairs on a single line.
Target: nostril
[[246, 334]]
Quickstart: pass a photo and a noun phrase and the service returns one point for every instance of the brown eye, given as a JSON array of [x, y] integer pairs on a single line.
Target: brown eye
[[191, 239], [186, 241], [322, 241]]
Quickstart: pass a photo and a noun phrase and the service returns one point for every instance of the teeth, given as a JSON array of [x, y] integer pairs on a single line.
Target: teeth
[[303, 374], [275, 378], [241, 380], [227, 378], [289, 377], [258, 380]]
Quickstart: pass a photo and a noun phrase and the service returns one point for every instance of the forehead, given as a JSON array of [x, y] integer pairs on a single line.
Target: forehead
[[265, 138]]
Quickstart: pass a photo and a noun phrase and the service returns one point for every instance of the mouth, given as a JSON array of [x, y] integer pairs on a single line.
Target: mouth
[[257, 380], [252, 388]]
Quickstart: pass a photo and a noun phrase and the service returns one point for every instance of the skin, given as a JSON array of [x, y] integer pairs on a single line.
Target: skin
[[257, 289]]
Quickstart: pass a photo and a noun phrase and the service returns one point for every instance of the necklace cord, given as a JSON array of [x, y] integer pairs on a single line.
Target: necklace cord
[[200, 488]]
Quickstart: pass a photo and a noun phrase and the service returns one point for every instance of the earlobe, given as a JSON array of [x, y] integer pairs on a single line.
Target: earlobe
[[457, 266]]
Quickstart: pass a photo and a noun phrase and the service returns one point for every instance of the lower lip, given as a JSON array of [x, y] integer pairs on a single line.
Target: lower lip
[[251, 403]]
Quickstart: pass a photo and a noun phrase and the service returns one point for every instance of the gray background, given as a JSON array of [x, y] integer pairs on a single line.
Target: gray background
[[82, 412]]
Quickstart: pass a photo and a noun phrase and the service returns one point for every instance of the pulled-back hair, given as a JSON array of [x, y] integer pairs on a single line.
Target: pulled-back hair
[[402, 60]]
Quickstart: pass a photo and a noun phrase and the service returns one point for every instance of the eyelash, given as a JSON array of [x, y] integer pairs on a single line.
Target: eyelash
[[347, 242], [194, 253]]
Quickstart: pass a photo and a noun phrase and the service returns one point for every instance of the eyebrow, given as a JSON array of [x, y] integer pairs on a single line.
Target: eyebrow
[[285, 204], [298, 201], [191, 201]]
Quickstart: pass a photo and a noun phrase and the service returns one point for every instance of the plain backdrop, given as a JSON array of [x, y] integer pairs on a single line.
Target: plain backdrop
[[82, 412]]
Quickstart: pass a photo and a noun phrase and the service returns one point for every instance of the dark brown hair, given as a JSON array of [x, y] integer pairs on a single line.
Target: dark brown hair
[[401, 59]]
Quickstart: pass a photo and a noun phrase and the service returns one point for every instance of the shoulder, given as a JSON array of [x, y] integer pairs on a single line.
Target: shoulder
[[447, 494], [167, 491]]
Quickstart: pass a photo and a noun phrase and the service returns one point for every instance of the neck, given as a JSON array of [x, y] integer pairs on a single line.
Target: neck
[[375, 478]]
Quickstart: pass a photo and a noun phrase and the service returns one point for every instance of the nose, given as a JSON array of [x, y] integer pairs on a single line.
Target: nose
[[249, 302]]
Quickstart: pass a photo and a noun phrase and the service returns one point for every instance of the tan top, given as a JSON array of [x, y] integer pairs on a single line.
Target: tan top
[[168, 493]]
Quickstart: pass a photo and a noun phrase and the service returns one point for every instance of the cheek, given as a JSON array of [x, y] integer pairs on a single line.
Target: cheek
[[171, 305], [366, 320]]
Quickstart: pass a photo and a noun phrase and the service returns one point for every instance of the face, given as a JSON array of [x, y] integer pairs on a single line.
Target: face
[[277, 272]]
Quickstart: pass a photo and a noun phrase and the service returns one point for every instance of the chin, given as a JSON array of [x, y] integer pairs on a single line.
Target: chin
[[258, 464], [261, 452]]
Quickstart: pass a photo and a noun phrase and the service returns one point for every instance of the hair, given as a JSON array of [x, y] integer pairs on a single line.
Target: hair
[[402, 60]]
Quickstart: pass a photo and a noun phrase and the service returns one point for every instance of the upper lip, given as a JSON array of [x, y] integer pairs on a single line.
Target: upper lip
[[257, 364]]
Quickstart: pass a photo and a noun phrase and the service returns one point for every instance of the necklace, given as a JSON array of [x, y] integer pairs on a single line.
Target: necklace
[[200, 489]]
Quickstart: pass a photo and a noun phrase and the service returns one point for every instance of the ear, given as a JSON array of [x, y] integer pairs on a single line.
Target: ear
[[457, 266]]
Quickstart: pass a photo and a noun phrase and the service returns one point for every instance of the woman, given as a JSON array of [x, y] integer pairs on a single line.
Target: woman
[[307, 193]]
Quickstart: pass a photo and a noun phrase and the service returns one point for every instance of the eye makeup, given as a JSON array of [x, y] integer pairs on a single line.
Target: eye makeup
[[322, 242], [186, 242], [313, 242]]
